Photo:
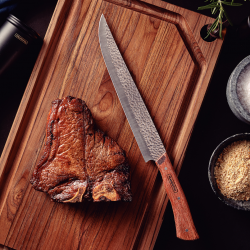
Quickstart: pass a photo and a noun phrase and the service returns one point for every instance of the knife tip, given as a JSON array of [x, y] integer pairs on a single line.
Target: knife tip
[[102, 17]]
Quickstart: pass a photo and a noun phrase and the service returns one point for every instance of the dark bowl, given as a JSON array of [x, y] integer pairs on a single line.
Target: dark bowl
[[241, 205]]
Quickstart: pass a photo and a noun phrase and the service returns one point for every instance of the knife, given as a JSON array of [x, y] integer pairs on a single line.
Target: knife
[[144, 131]]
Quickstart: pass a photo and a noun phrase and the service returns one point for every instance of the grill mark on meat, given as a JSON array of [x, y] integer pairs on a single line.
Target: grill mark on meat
[[80, 161]]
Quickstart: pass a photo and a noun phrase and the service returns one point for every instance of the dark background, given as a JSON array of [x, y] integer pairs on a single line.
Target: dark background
[[219, 226]]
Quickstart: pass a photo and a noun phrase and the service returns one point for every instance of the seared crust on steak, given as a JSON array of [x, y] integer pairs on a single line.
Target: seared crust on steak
[[80, 161]]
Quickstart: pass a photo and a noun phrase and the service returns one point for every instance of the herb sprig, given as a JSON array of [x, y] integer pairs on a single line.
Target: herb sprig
[[218, 6]]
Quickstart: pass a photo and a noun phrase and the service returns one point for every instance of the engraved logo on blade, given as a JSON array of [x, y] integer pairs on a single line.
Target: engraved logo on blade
[[141, 114], [172, 183]]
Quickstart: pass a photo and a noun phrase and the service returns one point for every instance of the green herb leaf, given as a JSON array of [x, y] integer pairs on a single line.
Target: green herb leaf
[[213, 27], [231, 4], [209, 6], [228, 19], [220, 29], [215, 10], [215, 6]]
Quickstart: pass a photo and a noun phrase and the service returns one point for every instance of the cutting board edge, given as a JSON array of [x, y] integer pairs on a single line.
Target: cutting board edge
[[149, 230], [26, 101], [23, 113], [172, 17]]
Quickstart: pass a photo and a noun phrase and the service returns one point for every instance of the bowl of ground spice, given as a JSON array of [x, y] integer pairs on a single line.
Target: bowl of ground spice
[[229, 171]]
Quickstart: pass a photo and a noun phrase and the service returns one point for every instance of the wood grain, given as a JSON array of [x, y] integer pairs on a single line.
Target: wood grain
[[171, 66], [185, 228]]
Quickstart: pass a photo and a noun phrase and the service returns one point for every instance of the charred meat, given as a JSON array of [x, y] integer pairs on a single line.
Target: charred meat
[[79, 161]]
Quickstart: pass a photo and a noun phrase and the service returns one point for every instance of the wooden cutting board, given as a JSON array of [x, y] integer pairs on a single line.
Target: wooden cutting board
[[171, 66]]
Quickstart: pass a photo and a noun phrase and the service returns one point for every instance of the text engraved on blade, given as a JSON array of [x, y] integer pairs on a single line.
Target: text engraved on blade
[[143, 118]]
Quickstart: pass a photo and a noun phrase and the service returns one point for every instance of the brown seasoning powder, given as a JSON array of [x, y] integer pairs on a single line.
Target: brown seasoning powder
[[232, 171]]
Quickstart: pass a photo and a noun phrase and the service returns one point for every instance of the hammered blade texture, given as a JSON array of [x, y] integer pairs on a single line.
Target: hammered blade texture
[[143, 119]]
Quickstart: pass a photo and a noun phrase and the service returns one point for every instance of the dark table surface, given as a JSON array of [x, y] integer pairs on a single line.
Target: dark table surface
[[219, 226]]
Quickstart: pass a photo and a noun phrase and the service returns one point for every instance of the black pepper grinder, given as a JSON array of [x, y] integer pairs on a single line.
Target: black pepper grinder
[[15, 39]]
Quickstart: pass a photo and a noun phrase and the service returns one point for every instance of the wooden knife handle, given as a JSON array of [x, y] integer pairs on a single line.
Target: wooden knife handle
[[185, 228]]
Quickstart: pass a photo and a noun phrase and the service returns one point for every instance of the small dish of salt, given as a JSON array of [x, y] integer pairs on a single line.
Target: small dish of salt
[[238, 90]]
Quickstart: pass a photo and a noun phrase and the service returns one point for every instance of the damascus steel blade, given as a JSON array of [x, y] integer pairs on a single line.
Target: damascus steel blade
[[139, 119]]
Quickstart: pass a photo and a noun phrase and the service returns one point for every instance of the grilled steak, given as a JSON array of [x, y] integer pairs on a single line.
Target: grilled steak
[[80, 161]]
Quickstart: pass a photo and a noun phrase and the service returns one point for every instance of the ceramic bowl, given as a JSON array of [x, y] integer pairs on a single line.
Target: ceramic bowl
[[240, 72], [241, 205]]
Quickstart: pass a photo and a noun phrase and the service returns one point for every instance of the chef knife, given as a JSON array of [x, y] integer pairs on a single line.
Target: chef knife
[[144, 131]]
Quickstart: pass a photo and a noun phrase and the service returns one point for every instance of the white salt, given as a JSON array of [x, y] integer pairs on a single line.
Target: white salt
[[243, 88]]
